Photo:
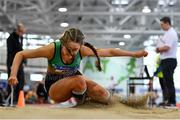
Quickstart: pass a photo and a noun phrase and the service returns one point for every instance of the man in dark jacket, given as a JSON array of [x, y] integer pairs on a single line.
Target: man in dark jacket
[[14, 45]]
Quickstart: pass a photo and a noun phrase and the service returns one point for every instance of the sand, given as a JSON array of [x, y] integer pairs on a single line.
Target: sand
[[90, 110]]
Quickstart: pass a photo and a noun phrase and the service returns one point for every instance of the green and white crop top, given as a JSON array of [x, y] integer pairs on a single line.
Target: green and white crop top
[[57, 63]]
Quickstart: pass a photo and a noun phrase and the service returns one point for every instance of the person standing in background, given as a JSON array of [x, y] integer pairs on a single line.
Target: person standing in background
[[14, 45], [167, 48], [158, 73]]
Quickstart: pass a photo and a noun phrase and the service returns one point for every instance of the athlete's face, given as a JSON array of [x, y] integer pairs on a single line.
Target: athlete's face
[[72, 48]]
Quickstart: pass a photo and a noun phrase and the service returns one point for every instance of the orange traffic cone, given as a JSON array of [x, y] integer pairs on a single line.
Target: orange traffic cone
[[21, 101]]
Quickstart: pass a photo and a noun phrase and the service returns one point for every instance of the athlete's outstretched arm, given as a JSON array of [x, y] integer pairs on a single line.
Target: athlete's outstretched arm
[[112, 52], [45, 51]]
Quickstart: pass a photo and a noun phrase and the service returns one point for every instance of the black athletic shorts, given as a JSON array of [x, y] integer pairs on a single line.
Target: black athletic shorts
[[52, 78]]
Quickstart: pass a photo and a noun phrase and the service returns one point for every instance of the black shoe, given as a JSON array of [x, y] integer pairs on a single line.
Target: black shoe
[[161, 104]]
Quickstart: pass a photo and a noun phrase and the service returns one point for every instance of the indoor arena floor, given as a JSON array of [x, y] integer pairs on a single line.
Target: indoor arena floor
[[87, 111]]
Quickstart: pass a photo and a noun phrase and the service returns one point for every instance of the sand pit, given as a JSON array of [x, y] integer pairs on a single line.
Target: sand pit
[[90, 110]]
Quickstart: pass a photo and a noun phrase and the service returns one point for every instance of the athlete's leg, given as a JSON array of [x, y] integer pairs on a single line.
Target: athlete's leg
[[97, 92], [62, 90]]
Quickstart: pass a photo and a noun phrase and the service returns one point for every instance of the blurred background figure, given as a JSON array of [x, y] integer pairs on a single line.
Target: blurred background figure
[[42, 96], [31, 97], [14, 45], [158, 73], [154, 97], [112, 85]]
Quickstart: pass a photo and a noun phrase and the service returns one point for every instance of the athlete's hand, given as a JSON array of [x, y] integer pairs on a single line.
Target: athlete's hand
[[140, 53], [12, 80]]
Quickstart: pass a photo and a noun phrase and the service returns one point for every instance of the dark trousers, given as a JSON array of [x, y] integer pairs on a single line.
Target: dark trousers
[[168, 67], [19, 86]]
